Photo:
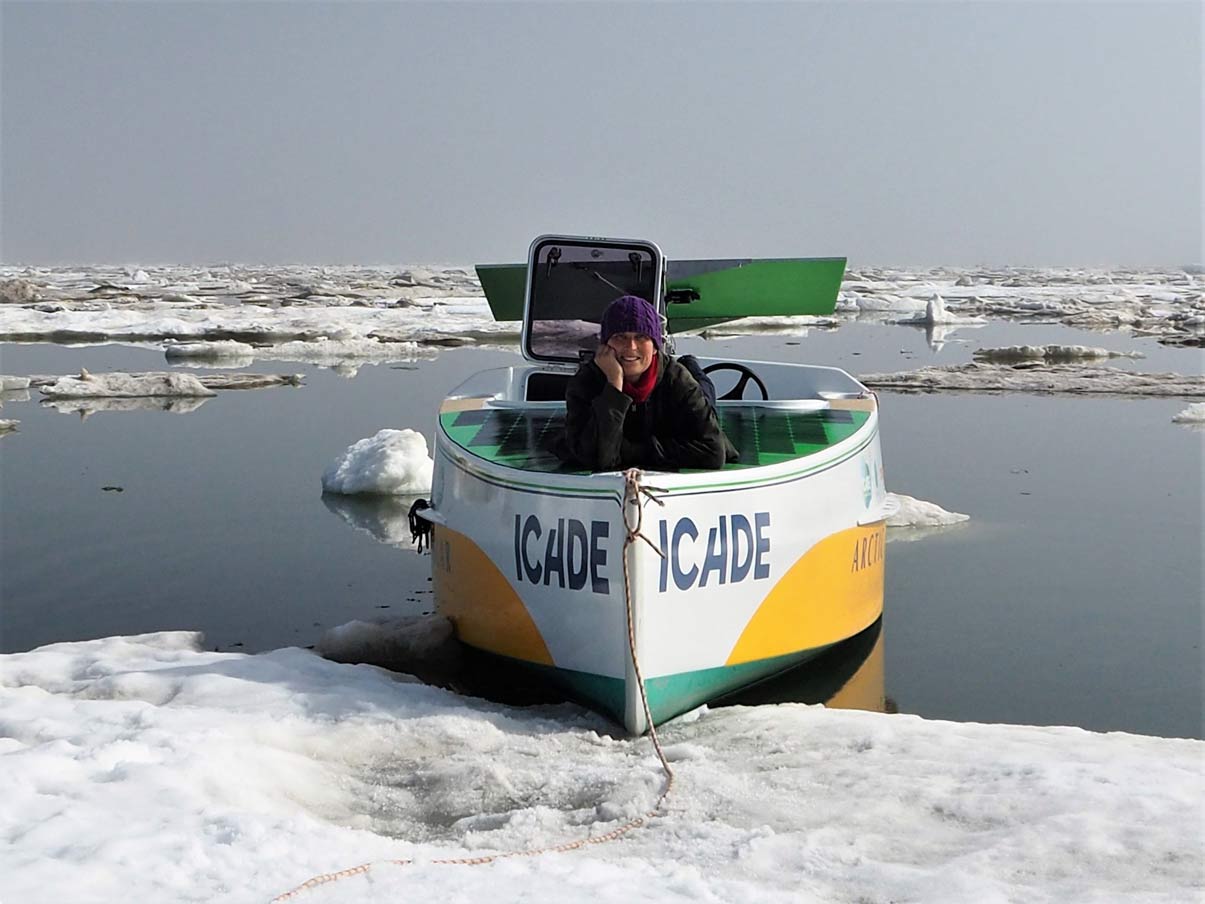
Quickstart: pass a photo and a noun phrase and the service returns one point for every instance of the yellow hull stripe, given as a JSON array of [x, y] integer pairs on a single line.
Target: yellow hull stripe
[[832, 592], [480, 601]]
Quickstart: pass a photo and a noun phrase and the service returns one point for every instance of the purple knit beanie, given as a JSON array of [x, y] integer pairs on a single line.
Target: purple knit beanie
[[631, 314]]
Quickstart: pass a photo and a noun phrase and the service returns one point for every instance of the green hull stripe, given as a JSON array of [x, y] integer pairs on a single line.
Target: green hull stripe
[[672, 695], [668, 695]]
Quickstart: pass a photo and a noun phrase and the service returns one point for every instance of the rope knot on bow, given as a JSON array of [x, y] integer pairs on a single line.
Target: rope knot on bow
[[634, 494]]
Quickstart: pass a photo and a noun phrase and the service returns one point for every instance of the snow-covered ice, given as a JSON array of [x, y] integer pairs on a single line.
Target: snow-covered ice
[[1193, 414], [269, 306], [415, 644], [122, 385], [166, 391], [1072, 379], [146, 769], [390, 462], [1169, 304], [221, 350], [1014, 353], [913, 512], [936, 313]]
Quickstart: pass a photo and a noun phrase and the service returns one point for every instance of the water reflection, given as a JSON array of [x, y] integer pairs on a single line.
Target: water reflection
[[87, 407], [386, 518], [847, 676], [913, 532]]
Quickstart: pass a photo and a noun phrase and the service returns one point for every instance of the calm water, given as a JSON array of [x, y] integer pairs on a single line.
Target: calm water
[[1072, 597]]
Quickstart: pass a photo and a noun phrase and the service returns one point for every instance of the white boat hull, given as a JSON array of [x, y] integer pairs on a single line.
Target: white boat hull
[[763, 567]]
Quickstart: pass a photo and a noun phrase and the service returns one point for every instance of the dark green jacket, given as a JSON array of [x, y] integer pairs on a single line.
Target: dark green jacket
[[675, 428]]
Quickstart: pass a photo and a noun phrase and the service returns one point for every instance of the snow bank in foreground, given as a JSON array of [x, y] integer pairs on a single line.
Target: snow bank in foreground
[[145, 769], [393, 462]]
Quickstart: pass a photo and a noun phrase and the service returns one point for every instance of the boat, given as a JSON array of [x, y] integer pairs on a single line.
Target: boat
[[644, 594]]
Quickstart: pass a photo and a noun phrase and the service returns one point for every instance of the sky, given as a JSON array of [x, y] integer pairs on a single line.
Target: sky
[[892, 133]]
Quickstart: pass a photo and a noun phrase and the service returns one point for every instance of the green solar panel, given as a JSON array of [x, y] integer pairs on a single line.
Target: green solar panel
[[525, 439]]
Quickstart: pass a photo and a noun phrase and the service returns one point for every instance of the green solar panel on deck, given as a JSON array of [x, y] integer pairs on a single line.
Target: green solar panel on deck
[[526, 439]]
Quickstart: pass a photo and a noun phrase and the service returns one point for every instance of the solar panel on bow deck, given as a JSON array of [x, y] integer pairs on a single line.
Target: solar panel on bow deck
[[524, 438]]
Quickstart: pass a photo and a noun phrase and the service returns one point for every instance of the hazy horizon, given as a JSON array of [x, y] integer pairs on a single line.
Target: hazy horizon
[[1029, 134]]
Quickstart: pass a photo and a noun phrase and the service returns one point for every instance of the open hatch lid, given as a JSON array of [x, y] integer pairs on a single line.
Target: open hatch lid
[[703, 292], [570, 280]]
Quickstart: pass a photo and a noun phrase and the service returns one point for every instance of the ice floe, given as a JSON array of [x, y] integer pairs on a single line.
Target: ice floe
[[322, 351], [254, 306], [913, 512], [1167, 304], [269, 306], [170, 384], [1193, 414], [148, 769], [392, 462], [1014, 353], [1056, 379], [422, 645], [936, 314], [221, 350], [122, 385], [18, 291], [782, 326]]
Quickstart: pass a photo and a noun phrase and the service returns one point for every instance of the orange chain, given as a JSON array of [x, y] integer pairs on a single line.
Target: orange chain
[[633, 491]]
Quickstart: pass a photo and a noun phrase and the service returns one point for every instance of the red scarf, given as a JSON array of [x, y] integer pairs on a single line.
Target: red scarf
[[643, 387]]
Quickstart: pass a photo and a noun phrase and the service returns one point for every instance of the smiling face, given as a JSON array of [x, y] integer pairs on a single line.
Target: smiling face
[[634, 351]]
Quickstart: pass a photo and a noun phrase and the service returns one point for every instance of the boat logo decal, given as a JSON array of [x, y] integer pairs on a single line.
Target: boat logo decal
[[867, 483], [573, 553], [868, 549], [734, 550]]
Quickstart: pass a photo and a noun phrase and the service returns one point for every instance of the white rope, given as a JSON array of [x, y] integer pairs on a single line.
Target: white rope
[[633, 495]]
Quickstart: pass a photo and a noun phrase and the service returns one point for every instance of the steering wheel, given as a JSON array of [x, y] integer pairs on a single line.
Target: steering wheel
[[738, 391]]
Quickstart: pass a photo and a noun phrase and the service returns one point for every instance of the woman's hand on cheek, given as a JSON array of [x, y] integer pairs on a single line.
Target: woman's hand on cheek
[[609, 365]]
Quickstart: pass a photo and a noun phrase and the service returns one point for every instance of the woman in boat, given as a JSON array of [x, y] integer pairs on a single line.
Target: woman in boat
[[632, 405]]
